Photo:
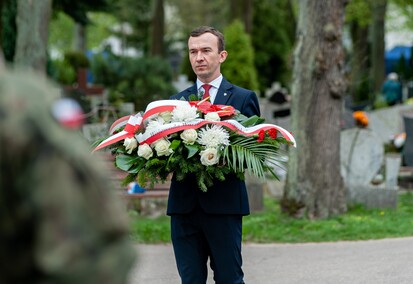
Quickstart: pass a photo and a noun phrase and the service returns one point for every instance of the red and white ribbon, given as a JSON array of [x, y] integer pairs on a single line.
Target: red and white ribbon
[[152, 135], [131, 126], [133, 123]]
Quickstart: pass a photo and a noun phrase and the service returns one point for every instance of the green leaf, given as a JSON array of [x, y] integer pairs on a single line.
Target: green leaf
[[125, 162], [251, 121], [175, 144], [245, 153], [193, 97], [192, 150]]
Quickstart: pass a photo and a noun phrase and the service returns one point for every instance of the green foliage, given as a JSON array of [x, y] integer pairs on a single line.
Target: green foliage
[[101, 28], [359, 11], [62, 72], [244, 153], [98, 30], [239, 66], [78, 10], [273, 38], [271, 226], [138, 80], [58, 40], [379, 102], [76, 59], [144, 230], [362, 90], [404, 9], [138, 14], [9, 29], [65, 71]]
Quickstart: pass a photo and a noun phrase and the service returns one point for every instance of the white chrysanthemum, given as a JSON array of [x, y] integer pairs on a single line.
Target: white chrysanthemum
[[184, 113], [155, 122], [213, 136]]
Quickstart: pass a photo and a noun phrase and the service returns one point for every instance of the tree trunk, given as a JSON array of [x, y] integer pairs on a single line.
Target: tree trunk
[[314, 186], [80, 38], [248, 15], [377, 67], [244, 11], [32, 34], [359, 62], [158, 29]]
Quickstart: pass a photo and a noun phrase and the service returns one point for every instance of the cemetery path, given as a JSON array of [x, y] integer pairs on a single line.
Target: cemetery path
[[375, 261]]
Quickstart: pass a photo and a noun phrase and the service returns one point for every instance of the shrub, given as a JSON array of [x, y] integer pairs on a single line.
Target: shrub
[[138, 80]]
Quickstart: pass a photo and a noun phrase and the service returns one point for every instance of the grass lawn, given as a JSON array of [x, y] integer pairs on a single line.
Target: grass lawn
[[270, 226]]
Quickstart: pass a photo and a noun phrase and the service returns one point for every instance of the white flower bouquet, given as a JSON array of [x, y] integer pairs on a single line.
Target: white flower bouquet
[[194, 138]]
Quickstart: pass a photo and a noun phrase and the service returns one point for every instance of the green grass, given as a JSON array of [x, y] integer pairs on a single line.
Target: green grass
[[270, 226]]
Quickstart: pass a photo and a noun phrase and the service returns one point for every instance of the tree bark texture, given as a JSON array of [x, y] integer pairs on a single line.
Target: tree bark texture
[[32, 33], [314, 186], [360, 60], [244, 11], [158, 29], [377, 65]]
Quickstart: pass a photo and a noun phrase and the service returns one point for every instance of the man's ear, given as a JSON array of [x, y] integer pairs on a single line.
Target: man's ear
[[222, 56]]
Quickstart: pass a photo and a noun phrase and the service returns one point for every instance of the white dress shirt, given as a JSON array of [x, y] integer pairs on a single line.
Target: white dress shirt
[[214, 87]]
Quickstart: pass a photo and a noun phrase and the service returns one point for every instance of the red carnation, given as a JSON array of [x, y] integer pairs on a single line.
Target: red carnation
[[273, 133], [261, 136]]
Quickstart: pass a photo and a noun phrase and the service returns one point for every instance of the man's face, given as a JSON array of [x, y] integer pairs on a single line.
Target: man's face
[[204, 56]]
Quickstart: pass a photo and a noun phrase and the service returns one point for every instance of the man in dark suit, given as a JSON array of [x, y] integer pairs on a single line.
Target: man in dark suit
[[209, 224]]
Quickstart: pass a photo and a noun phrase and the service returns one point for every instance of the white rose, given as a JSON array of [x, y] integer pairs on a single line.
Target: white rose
[[209, 157], [189, 136], [145, 151], [166, 115], [212, 116], [162, 147], [130, 144]]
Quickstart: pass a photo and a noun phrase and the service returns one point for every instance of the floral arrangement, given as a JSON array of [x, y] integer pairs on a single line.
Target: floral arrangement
[[361, 119], [197, 138], [395, 143]]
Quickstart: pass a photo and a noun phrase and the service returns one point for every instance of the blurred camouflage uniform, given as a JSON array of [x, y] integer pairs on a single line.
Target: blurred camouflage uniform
[[59, 221]]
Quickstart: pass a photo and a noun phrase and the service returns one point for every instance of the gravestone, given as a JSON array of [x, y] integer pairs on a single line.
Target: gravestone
[[95, 131], [126, 109], [362, 157], [408, 144], [255, 189]]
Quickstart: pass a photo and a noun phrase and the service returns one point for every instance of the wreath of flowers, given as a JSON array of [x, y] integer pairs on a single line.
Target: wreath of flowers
[[194, 138]]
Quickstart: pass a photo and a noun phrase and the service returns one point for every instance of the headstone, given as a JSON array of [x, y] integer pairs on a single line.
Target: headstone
[[393, 162], [127, 109], [95, 131], [362, 157], [387, 122], [255, 189], [408, 143]]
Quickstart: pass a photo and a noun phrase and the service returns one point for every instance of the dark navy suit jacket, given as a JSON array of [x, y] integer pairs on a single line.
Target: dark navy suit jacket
[[224, 197]]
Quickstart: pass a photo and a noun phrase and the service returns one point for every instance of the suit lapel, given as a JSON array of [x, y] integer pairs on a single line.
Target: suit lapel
[[224, 93]]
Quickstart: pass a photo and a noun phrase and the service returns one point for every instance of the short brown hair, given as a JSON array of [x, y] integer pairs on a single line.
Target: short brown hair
[[205, 29]]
